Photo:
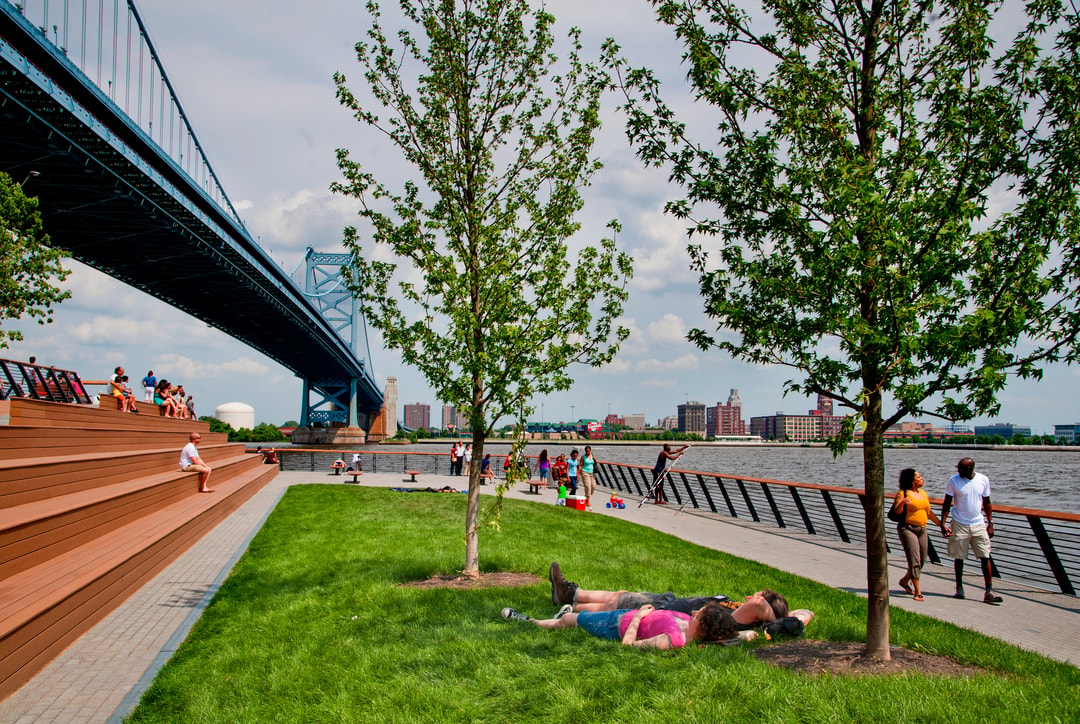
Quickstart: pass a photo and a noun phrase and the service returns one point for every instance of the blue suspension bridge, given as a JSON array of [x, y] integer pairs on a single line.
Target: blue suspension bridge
[[92, 126]]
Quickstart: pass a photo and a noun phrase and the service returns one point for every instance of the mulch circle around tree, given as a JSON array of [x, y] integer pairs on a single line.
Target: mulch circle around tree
[[486, 580], [812, 657]]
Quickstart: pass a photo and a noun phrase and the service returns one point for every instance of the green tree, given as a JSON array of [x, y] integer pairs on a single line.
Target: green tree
[[217, 425], [28, 263], [493, 308], [897, 203]]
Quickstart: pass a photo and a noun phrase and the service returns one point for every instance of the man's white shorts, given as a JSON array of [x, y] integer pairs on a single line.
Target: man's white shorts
[[964, 536]]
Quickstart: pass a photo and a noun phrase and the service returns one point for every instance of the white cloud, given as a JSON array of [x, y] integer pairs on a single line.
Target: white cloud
[[185, 368], [616, 367], [659, 384], [660, 259], [107, 330], [682, 364], [669, 330]]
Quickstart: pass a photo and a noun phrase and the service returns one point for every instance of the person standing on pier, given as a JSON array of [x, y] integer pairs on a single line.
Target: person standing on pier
[[572, 466], [658, 470], [912, 501], [149, 383], [588, 476], [967, 496]]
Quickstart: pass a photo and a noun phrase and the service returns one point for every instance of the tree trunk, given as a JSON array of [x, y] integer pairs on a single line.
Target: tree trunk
[[472, 513], [877, 569]]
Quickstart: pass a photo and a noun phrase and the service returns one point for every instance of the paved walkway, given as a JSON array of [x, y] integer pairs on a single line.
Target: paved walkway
[[100, 677]]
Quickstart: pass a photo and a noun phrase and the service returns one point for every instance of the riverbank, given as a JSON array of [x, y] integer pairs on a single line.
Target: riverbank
[[581, 442]]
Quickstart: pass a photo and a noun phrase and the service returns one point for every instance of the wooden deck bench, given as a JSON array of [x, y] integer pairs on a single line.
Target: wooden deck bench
[[412, 476]]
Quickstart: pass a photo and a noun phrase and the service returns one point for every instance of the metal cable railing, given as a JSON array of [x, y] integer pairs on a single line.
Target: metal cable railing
[[1036, 547], [34, 382]]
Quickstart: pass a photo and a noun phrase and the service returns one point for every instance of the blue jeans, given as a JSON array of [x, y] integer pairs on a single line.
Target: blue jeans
[[602, 624]]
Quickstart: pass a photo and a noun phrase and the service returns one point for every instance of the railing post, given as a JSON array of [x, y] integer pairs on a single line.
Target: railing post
[[840, 529], [772, 504], [1050, 553], [705, 492], [749, 503], [802, 510], [727, 498]]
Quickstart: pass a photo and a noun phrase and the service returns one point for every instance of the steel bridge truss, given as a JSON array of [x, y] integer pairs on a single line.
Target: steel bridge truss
[[334, 400]]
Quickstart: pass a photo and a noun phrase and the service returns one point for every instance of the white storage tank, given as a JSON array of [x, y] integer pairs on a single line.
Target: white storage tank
[[236, 414]]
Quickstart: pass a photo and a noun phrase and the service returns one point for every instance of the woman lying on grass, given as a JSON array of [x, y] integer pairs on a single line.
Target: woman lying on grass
[[645, 626]]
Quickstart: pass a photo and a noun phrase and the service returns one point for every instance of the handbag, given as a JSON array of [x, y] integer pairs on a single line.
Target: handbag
[[895, 514]]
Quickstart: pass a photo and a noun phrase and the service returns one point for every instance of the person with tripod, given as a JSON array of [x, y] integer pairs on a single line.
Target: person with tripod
[[659, 470]]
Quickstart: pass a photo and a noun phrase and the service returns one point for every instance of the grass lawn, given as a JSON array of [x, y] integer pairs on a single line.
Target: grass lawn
[[314, 626]]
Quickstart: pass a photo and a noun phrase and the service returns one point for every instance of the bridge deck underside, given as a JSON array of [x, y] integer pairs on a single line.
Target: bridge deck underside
[[112, 215]]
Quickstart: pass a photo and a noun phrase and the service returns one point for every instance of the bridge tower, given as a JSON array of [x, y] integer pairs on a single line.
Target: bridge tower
[[331, 403]]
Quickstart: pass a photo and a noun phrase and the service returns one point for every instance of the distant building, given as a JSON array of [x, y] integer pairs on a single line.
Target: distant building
[[818, 424], [1069, 434], [452, 418], [671, 422], [237, 414], [1006, 429], [635, 421], [692, 418], [795, 428], [417, 416], [613, 419], [725, 419]]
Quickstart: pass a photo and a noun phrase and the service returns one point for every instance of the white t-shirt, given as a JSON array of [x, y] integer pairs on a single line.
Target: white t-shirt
[[968, 498], [188, 455]]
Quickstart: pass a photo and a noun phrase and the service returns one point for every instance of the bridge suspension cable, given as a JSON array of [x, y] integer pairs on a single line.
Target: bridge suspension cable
[[156, 109]]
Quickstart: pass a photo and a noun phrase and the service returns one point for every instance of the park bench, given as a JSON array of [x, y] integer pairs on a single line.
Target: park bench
[[337, 466], [412, 476], [535, 485], [355, 475]]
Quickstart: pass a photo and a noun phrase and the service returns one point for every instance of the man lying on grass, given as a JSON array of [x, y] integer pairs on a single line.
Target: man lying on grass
[[758, 610], [646, 627]]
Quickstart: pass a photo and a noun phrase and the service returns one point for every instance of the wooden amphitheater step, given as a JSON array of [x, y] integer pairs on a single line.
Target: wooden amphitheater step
[[31, 479], [45, 608], [38, 413], [30, 534], [18, 442]]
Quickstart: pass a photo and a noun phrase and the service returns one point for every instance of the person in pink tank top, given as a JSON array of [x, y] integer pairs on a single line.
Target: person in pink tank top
[[646, 627]]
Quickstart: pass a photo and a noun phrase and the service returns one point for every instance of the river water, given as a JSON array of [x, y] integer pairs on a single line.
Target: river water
[[1042, 479]]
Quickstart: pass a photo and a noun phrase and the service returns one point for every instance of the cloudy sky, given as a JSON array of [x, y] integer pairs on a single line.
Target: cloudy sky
[[255, 78]]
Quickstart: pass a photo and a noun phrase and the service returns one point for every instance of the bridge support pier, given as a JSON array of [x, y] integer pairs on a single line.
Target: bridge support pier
[[331, 414]]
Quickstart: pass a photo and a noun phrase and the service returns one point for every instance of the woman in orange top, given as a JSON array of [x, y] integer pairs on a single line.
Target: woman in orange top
[[912, 500]]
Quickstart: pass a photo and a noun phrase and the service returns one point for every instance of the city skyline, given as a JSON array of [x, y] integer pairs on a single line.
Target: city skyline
[[266, 113]]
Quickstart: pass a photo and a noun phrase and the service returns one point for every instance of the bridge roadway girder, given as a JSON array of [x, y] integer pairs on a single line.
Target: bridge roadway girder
[[115, 202]]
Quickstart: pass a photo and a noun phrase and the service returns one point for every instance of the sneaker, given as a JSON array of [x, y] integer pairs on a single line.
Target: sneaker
[[992, 597], [959, 592], [562, 590], [568, 608], [511, 614]]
